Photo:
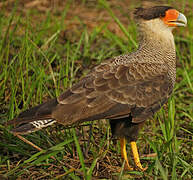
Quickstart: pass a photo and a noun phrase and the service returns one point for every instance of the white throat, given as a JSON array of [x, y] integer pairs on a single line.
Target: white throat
[[156, 31]]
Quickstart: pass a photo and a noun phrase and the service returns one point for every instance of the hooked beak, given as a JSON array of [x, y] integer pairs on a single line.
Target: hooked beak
[[173, 18], [181, 20]]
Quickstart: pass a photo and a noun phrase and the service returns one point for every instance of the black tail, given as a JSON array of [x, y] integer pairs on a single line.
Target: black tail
[[29, 127], [34, 119]]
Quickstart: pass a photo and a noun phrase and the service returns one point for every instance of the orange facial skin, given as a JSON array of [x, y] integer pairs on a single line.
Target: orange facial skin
[[171, 17]]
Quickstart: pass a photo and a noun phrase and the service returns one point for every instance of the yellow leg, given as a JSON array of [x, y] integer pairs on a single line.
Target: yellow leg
[[136, 156], [124, 154]]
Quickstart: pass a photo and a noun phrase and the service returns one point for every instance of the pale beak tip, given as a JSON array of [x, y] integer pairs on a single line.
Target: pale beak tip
[[182, 20]]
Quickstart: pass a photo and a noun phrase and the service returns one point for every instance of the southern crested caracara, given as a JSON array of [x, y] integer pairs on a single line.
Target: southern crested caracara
[[126, 89]]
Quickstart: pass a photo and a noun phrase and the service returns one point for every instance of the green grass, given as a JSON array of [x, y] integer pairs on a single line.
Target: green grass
[[39, 60]]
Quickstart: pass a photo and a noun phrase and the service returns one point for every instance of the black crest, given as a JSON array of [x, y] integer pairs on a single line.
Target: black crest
[[152, 12]]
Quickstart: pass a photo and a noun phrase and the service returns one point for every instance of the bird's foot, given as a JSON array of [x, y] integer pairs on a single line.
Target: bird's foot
[[136, 157], [140, 168], [124, 154], [127, 166]]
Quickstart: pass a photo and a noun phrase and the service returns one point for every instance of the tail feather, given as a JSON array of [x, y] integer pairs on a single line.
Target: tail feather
[[17, 121], [34, 118], [32, 126]]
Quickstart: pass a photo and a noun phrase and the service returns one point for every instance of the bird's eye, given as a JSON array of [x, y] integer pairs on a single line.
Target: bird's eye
[[163, 14]]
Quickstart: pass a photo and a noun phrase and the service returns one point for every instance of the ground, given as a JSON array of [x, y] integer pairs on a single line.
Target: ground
[[45, 47]]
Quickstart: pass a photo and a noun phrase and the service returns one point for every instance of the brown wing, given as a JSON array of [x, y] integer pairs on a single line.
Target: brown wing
[[112, 91]]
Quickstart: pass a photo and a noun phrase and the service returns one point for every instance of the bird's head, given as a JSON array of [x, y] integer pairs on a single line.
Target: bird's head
[[165, 15]]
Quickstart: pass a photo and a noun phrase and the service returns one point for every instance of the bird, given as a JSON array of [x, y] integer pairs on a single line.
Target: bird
[[126, 89]]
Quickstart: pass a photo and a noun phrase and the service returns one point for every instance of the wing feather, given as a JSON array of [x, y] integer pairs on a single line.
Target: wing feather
[[109, 91], [139, 85]]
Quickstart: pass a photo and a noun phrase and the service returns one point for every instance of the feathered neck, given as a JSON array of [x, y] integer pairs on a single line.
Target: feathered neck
[[155, 34]]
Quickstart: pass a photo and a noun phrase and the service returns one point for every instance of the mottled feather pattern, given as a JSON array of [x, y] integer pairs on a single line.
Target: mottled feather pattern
[[131, 85], [139, 84]]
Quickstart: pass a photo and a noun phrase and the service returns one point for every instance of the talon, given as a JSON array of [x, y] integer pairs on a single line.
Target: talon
[[136, 156], [124, 154]]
